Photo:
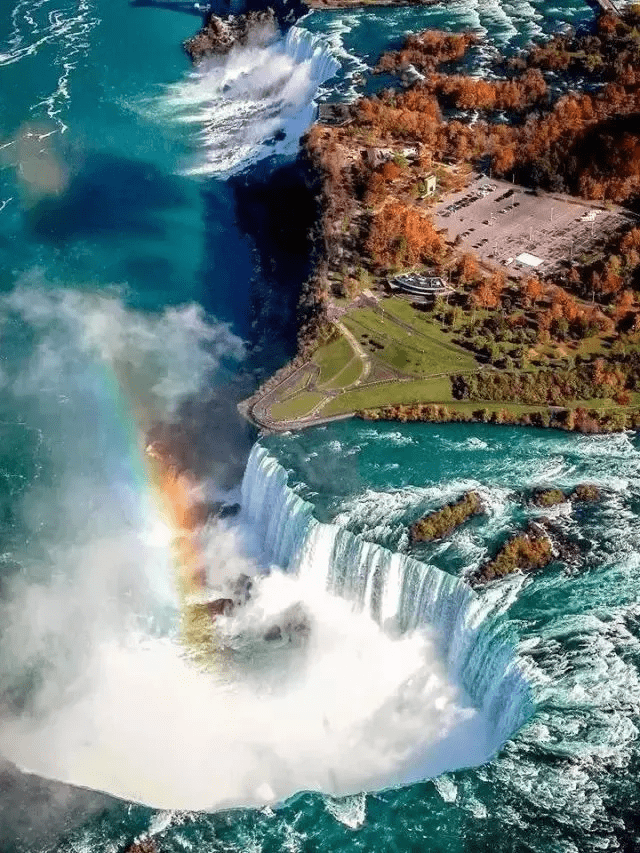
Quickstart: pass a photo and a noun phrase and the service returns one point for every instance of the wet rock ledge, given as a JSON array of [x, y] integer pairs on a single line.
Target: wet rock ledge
[[219, 35]]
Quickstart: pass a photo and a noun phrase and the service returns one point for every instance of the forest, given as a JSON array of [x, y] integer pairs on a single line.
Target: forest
[[563, 341]]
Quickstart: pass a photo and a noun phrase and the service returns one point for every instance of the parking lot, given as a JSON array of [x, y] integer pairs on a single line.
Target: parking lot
[[498, 221]]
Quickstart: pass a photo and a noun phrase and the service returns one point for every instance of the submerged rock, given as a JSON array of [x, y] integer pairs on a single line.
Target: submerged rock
[[219, 35], [293, 624], [274, 633], [241, 589]]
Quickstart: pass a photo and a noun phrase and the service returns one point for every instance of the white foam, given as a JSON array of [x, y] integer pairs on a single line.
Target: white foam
[[252, 103], [359, 711]]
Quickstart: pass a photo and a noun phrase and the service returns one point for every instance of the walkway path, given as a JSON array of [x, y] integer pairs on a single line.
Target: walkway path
[[366, 361]]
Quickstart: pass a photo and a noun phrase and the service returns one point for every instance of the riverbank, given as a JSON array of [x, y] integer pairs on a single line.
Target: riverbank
[[550, 339]]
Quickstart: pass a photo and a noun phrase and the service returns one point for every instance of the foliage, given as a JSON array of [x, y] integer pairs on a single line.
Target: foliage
[[444, 521], [525, 552], [549, 497]]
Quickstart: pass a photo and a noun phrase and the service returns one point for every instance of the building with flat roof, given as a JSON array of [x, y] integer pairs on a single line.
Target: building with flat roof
[[529, 260], [416, 284], [430, 184]]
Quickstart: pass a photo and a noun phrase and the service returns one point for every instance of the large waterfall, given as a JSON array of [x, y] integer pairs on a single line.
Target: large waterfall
[[400, 592]]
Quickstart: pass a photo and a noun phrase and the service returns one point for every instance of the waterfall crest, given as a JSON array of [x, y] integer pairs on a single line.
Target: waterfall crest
[[400, 592], [255, 102]]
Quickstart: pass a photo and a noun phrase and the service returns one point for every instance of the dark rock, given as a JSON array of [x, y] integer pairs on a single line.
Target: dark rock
[[148, 845], [293, 624], [229, 510], [241, 589], [296, 622], [220, 607], [586, 492], [548, 497], [218, 35]]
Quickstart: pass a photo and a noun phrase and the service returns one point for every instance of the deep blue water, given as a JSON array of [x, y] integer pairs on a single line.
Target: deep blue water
[[106, 235]]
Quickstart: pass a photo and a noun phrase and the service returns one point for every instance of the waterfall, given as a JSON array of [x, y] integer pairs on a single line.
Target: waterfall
[[303, 46], [400, 592], [255, 102]]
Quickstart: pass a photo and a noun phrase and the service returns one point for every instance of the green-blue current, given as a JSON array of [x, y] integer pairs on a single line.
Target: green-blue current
[[125, 249]]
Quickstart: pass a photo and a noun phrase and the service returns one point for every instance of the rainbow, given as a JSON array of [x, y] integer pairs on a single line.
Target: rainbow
[[173, 492]]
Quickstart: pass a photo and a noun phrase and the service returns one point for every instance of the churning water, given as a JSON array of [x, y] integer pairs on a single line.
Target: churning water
[[520, 703]]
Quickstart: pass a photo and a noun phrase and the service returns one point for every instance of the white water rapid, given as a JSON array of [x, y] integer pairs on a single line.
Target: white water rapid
[[402, 676], [252, 103], [399, 592]]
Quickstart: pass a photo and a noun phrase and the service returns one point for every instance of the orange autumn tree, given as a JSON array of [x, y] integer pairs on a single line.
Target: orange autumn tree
[[532, 290], [402, 236], [489, 292]]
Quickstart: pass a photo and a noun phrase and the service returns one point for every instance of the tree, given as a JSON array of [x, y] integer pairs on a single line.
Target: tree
[[532, 290], [402, 236]]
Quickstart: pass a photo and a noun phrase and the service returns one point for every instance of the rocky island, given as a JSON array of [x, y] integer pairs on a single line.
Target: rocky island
[[526, 552], [444, 521], [219, 35], [433, 297]]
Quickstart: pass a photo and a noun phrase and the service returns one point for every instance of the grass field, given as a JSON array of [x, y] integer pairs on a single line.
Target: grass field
[[399, 337], [436, 390], [416, 345], [296, 407], [332, 358], [350, 373]]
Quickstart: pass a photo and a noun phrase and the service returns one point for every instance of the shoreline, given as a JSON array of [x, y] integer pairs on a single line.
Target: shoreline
[[356, 340]]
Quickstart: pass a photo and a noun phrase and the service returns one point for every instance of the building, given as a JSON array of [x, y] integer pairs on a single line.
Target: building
[[427, 287], [431, 184], [528, 260]]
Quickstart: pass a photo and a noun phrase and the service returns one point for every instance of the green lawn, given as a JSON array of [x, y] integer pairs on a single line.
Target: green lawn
[[332, 358], [423, 351], [349, 374], [296, 407], [436, 390]]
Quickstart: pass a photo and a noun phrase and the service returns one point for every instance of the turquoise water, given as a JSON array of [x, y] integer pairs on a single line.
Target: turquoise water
[[131, 191]]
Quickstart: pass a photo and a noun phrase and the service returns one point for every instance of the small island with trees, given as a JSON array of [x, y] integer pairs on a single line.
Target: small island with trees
[[547, 337], [444, 521]]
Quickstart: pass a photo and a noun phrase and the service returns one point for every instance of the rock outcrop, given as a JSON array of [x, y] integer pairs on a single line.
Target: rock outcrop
[[219, 35], [526, 552], [444, 521], [548, 497], [147, 845], [293, 625], [586, 493]]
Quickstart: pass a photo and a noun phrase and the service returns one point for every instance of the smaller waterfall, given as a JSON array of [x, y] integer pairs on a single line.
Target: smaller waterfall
[[400, 592], [255, 102]]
